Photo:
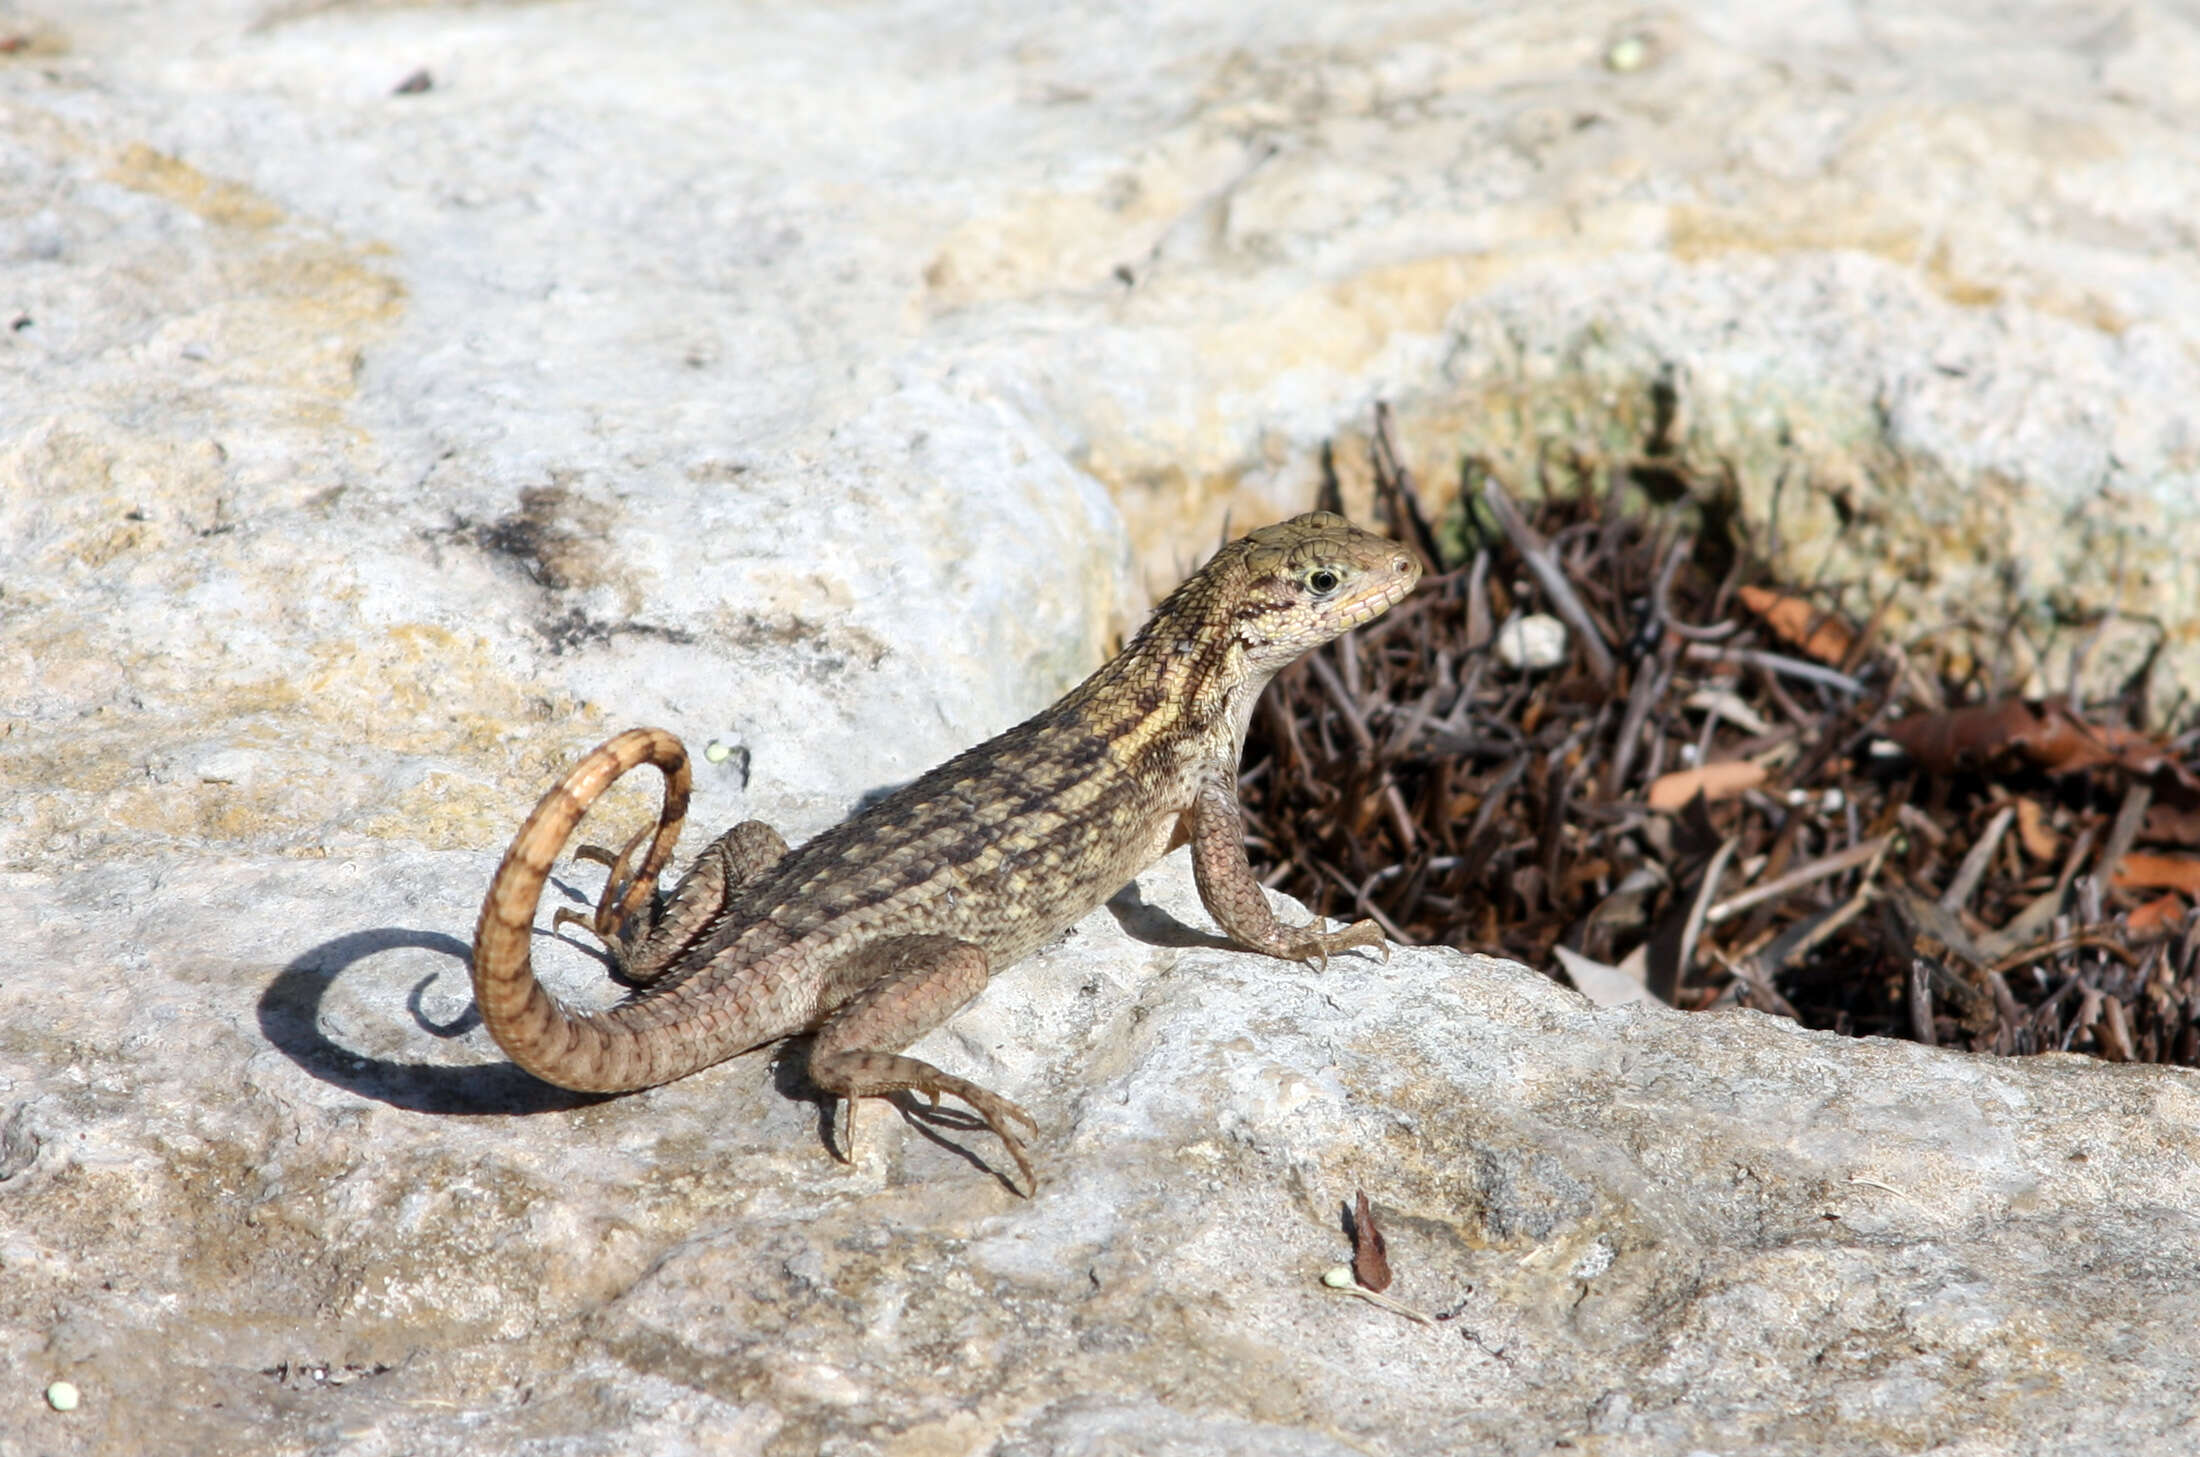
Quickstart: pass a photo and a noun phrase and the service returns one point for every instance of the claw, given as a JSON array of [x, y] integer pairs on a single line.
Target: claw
[[844, 1130], [620, 876], [992, 1110], [611, 903], [995, 1112], [1322, 944]]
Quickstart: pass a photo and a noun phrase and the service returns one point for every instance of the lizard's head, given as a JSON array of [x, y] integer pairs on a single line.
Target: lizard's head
[[1299, 583], [1261, 601]]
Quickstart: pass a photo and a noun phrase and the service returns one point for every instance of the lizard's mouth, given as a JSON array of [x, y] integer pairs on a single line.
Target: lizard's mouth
[[1374, 603]]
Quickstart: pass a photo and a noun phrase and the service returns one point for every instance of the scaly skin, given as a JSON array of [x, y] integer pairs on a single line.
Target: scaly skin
[[876, 931]]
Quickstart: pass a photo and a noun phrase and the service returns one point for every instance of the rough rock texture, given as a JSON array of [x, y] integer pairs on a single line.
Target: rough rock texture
[[297, 1204], [827, 384]]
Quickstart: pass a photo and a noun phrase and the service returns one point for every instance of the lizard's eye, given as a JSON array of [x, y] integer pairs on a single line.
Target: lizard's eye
[[1321, 581]]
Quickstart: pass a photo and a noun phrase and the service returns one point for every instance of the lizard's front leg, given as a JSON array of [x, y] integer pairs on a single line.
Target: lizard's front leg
[[906, 986], [1233, 896], [645, 941]]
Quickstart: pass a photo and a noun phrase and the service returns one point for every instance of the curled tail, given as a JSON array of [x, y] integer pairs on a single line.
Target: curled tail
[[587, 1053]]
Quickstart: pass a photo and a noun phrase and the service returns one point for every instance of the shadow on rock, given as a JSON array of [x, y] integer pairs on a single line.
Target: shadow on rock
[[1157, 927], [290, 1018], [790, 1075]]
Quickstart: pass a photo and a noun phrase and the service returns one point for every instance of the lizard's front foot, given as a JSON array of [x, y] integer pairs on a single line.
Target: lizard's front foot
[[1236, 900], [1305, 943]]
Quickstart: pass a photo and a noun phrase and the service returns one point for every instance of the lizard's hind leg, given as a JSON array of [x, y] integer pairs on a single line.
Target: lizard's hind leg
[[906, 986], [644, 931]]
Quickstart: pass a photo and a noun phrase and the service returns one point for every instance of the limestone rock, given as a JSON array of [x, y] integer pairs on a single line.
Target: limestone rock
[[274, 1201]]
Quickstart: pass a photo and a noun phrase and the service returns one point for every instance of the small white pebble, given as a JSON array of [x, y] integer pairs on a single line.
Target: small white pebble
[[1532, 643], [717, 752], [1628, 53], [1339, 1277], [63, 1396]]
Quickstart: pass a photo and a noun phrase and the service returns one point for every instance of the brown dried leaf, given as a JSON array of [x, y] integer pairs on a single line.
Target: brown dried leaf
[[2163, 872], [2156, 916], [2172, 824], [2040, 842], [2049, 734], [1714, 781], [1370, 1258], [1823, 635]]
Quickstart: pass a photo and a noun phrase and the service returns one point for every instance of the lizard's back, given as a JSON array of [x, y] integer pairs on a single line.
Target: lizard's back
[[1004, 846]]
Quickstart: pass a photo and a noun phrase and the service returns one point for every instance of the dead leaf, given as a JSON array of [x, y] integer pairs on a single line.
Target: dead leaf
[[2164, 872], [2040, 842], [1607, 986], [1822, 634], [1370, 1259], [2156, 916], [2172, 822], [2049, 734], [1715, 781]]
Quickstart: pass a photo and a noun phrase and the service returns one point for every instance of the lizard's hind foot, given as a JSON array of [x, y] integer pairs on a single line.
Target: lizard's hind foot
[[1313, 944], [858, 1075], [901, 988], [646, 931], [613, 922]]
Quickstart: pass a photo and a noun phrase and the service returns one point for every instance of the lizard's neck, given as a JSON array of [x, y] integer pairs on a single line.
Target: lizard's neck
[[1181, 693]]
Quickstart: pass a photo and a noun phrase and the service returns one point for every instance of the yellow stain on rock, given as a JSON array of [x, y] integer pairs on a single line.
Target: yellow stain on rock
[[229, 204], [1073, 239], [1695, 233], [416, 733], [1830, 220], [294, 306], [1178, 484]]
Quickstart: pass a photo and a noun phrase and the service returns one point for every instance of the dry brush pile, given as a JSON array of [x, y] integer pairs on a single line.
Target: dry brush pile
[[1623, 753]]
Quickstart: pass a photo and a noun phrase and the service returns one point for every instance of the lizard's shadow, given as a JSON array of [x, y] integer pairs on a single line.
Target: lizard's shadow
[[290, 1019], [290, 1012], [1157, 927]]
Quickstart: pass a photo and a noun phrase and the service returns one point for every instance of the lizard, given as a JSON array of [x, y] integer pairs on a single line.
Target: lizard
[[880, 928]]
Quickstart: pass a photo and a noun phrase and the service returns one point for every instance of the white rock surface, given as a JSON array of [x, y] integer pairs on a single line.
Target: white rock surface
[[279, 1206], [829, 384]]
